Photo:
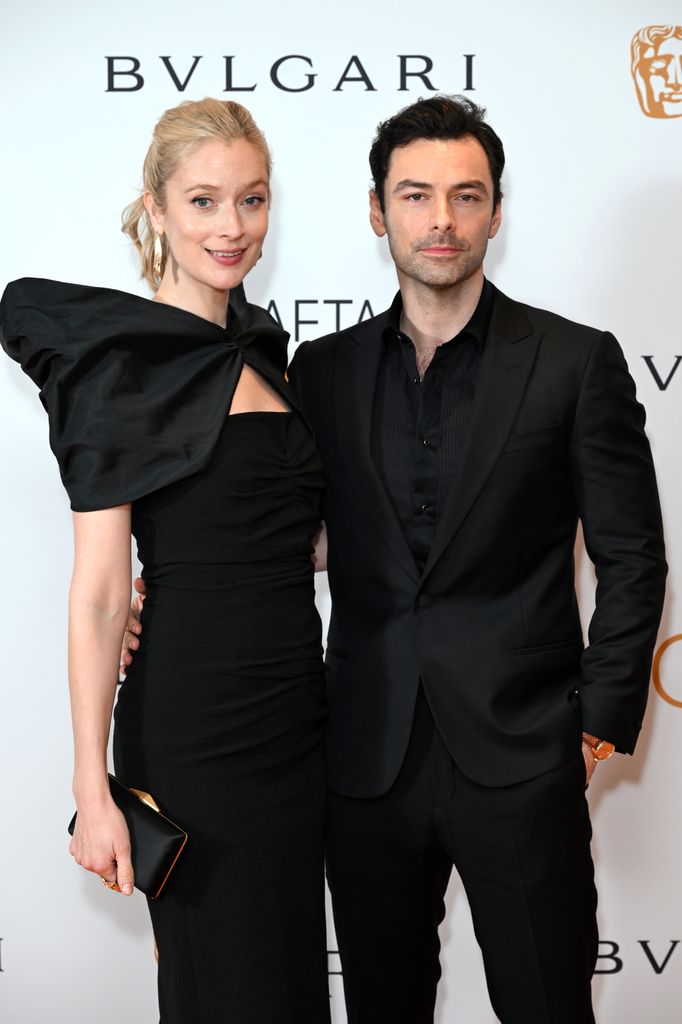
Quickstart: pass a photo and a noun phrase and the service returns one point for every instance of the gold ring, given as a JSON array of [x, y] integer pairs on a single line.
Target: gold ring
[[110, 885]]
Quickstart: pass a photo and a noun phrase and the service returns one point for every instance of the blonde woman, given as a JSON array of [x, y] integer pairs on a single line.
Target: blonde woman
[[171, 419]]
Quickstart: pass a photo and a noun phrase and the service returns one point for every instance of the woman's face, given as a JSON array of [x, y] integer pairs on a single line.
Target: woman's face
[[216, 215]]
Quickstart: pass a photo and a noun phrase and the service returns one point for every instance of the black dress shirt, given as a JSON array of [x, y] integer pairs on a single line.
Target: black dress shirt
[[419, 429]]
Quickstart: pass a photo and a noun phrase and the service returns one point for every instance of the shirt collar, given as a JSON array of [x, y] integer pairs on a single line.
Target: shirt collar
[[476, 328]]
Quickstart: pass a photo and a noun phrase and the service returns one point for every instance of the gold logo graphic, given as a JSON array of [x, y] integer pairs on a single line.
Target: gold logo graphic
[[656, 670], [657, 69]]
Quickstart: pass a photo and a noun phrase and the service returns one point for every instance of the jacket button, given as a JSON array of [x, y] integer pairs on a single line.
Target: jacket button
[[425, 601]]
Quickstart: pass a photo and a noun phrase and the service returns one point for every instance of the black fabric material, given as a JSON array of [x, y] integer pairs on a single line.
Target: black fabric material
[[419, 429], [491, 624], [135, 390], [227, 731], [523, 854]]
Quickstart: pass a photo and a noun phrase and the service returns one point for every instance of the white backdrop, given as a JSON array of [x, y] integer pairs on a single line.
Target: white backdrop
[[592, 229]]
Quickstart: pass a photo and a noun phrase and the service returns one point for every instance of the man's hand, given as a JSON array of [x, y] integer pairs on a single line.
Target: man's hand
[[598, 750], [590, 763], [133, 629], [319, 555]]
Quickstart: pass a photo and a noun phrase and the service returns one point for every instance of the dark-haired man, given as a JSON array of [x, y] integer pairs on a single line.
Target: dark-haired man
[[463, 436]]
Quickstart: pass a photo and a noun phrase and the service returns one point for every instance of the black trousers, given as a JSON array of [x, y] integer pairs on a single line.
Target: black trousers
[[523, 854]]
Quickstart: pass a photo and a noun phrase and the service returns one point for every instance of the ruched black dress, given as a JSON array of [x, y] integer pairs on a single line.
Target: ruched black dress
[[222, 712]]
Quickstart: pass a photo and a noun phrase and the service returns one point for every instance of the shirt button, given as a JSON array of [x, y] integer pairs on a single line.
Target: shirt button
[[426, 442], [425, 508], [415, 380], [425, 601]]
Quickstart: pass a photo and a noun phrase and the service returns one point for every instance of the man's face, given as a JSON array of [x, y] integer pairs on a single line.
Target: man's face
[[439, 215], [661, 70]]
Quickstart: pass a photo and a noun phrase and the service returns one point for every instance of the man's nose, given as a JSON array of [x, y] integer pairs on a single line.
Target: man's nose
[[442, 214]]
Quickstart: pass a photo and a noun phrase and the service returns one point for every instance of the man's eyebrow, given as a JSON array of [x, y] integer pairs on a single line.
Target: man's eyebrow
[[409, 183]]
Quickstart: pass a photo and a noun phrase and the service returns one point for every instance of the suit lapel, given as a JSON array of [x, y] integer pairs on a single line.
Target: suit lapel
[[357, 365], [508, 358]]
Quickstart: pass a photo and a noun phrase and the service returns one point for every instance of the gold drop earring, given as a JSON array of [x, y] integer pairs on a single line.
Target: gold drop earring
[[158, 256]]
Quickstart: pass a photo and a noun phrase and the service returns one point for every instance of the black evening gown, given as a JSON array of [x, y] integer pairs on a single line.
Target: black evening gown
[[221, 718], [221, 715]]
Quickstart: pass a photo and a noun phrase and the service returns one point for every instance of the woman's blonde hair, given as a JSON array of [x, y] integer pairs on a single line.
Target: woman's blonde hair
[[177, 130]]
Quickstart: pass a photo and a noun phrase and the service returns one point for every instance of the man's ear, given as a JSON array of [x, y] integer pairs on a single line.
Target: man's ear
[[376, 216], [495, 221]]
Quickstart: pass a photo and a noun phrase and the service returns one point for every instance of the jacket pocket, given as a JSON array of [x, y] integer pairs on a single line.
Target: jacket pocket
[[562, 645], [522, 440]]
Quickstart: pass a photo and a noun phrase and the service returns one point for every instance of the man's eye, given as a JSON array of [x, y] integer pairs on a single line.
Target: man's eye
[[415, 196], [467, 198], [203, 202]]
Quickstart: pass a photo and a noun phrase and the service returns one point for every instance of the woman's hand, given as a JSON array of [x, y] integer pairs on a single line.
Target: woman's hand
[[101, 844]]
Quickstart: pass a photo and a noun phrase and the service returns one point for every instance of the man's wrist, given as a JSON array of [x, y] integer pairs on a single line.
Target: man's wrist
[[602, 750]]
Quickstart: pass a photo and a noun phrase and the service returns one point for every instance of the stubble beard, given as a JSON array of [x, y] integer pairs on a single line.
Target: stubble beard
[[438, 277]]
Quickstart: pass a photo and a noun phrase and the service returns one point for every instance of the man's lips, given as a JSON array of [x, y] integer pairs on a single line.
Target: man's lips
[[441, 250]]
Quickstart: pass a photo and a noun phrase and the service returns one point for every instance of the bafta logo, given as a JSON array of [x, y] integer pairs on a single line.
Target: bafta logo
[[657, 69], [656, 670]]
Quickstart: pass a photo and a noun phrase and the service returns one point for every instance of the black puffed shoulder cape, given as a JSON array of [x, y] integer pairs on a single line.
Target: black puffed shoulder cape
[[136, 391]]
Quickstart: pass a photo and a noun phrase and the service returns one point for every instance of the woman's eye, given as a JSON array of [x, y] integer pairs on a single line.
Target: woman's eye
[[203, 202], [254, 200]]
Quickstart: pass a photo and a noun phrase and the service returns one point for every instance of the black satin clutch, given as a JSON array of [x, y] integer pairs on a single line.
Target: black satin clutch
[[156, 841]]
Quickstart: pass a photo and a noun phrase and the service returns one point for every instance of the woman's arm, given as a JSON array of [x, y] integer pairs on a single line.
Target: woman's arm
[[98, 610]]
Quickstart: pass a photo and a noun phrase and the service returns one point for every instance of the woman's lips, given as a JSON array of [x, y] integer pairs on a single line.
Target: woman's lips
[[226, 257]]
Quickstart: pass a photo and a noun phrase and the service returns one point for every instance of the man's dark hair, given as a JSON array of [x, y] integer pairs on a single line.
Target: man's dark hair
[[439, 117]]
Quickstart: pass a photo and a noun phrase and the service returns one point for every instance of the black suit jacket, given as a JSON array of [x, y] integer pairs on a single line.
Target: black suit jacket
[[491, 626]]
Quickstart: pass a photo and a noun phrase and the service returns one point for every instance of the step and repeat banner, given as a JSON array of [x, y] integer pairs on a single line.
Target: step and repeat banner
[[587, 98]]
